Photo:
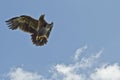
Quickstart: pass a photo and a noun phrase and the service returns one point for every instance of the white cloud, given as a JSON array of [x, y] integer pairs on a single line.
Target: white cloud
[[20, 74], [81, 69], [73, 71], [65, 72], [109, 72]]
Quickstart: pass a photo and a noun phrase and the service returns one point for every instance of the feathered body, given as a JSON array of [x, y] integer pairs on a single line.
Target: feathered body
[[39, 29]]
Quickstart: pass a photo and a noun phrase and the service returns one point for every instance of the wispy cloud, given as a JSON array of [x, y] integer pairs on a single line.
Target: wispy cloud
[[81, 69], [79, 52]]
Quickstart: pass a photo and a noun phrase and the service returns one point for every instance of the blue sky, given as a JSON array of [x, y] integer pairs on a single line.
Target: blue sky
[[77, 23]]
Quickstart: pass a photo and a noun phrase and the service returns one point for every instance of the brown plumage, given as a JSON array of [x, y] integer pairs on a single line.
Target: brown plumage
[[39, 29]]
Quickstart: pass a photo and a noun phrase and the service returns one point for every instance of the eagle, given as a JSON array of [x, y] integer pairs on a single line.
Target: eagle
[[39, 29]]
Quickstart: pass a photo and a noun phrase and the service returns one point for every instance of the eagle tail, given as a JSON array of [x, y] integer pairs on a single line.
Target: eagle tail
[[40, 41], [12, 23]]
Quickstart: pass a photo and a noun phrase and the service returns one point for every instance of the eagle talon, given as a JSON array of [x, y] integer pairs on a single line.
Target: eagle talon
[[41, 37], [37, 37]]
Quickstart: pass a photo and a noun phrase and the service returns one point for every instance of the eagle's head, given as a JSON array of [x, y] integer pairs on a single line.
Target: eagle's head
[[49, 26], [46, 29]]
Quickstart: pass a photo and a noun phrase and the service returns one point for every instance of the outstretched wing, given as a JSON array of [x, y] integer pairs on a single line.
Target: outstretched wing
[[25, 23]]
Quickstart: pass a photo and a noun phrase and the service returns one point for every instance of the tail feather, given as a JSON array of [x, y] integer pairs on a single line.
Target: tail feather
[[39, 42]]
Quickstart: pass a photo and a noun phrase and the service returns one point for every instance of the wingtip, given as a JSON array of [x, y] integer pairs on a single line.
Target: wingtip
[[52, 23], [43, 15], [7, 21]]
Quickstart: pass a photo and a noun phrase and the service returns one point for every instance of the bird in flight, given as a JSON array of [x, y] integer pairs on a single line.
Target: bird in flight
[[39, 29]]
